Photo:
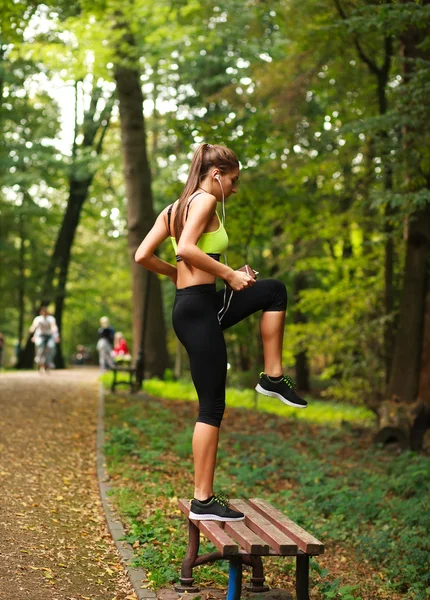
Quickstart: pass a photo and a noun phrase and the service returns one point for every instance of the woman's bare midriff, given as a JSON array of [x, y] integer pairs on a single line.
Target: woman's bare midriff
[[188, 275]]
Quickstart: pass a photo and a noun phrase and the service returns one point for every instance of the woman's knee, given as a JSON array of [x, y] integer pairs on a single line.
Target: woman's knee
[[277, 295], [212, 413]]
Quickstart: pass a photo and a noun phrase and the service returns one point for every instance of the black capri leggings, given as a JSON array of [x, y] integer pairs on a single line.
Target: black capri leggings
[[195, 321]]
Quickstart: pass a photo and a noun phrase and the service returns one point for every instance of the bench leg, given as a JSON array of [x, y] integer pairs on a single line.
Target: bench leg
[[234, 579], [257, 580], [186, 577], [130, 382], [302, 577]]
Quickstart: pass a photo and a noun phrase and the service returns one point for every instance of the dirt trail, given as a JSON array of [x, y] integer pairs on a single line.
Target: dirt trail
[[54, 542]]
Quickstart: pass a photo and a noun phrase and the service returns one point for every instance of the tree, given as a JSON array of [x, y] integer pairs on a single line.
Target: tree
[[146, 292], [404, 416], [81, 173]]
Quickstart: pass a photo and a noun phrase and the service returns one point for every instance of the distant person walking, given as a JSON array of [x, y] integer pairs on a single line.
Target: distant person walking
[[45, 338], [105, 344], [201, 313]]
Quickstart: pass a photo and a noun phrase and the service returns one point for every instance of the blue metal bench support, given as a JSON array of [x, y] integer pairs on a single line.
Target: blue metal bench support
[[235, 579]]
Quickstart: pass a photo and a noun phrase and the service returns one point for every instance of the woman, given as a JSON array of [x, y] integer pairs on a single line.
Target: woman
[[200, 313]]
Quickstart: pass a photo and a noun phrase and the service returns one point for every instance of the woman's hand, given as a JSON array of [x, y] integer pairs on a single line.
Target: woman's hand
[[239, 280]]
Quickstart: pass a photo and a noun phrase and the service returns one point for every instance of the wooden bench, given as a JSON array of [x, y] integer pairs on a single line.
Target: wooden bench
[[123, 368], [265, 532]]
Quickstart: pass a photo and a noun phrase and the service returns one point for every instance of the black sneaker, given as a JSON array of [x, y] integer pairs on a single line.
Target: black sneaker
[[282, 389], [216, 509]]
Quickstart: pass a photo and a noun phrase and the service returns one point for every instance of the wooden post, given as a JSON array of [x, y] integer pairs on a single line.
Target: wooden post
[[186, 577]]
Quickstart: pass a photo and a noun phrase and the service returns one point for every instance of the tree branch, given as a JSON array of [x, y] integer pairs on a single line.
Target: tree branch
[[372, 66], [105, 118], [388, 46]]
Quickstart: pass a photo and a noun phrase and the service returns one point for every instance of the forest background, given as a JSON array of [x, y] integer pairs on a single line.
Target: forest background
[[327, 106]]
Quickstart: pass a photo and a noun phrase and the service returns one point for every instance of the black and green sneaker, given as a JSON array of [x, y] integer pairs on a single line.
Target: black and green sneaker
[[214, 509], [281, 388]]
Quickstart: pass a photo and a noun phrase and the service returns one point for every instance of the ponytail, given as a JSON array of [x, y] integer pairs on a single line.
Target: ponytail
[[205, 157]]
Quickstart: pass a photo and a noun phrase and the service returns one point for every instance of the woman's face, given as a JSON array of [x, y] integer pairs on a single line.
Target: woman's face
[[230, 182]]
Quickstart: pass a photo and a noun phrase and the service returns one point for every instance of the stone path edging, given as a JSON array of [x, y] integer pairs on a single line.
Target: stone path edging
[[137, 576]]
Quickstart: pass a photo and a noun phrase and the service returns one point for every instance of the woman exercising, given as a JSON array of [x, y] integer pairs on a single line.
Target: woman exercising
[[200, 313]]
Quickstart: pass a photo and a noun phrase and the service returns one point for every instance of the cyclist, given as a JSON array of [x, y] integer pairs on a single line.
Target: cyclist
[[45, 338]]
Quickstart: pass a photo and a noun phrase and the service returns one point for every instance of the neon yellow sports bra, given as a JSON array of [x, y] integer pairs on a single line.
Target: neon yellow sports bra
[[213, 243]]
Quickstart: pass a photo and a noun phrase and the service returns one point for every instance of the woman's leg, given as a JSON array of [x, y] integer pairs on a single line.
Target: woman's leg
[[197, 327], [205, 446], [270, 296], [51, 351], [272, 334]]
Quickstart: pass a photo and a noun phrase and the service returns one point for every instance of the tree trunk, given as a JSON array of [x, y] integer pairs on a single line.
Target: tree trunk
[[301, 359], [21, 284], [422, 421], [389, 256], [400, 414], [404, 414], [140, 220], [59, 267], [77, 195]]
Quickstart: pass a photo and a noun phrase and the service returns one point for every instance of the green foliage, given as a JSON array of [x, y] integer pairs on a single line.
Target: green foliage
[[329, 171]]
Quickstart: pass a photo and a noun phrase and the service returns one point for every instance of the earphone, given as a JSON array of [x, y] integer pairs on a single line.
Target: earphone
[[226, 302]]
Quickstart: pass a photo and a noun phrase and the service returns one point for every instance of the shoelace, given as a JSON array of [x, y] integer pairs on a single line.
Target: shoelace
[[286, 379], [222, 499], [290, 382]]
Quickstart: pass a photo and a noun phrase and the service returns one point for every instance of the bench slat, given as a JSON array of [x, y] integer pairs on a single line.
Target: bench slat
[[249, 540], [278, 541], [304, 540], [212, 530]]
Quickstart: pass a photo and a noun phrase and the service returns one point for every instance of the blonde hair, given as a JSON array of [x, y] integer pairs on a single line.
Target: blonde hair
[[205, 157], [104, 322]]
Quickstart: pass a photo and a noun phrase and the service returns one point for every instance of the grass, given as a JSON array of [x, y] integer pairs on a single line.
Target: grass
[[369, 507], [318, 411]]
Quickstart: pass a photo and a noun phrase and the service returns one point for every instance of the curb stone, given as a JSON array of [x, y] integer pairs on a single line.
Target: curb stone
[[137, 576]]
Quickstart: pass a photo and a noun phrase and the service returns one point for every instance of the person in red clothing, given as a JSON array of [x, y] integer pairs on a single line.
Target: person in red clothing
[[120, 349]]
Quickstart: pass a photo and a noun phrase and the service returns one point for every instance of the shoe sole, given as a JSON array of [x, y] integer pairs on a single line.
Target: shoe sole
[[261, 390], [196, 517]]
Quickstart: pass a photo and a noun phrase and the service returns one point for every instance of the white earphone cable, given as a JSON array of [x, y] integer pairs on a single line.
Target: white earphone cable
[[224, 308]]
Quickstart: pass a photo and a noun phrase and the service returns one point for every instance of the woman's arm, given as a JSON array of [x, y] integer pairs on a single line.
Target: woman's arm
[[34, 325], [54, 329], [199, 216], [145, 253]]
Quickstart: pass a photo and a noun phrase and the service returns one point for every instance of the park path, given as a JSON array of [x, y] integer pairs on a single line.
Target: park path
[[54, 542]]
